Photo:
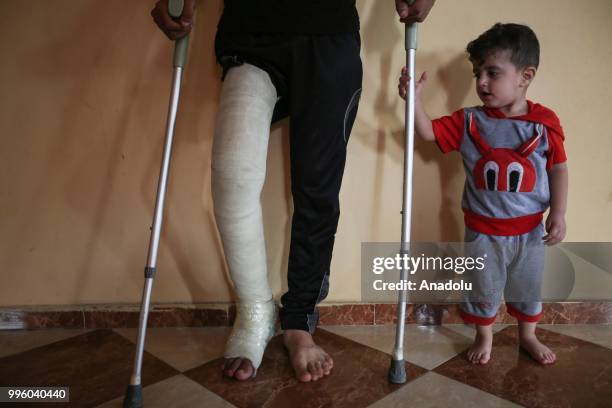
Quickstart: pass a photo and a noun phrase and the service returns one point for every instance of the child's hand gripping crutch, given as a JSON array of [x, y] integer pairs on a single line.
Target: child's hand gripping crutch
[[133, 396], [397, 371]]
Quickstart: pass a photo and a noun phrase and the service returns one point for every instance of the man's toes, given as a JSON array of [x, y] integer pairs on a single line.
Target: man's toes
[[222, 364], [327, 366], [319, 368], [313, 370], [323, 368], [303, 375], [231, 366], [245, 370], [226, 363], [329, 361]]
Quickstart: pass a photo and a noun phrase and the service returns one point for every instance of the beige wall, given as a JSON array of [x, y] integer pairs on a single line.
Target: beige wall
[[84, 93]]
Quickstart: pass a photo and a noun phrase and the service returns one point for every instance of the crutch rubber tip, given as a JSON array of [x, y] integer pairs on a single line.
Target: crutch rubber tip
[[133, 397], [397, 372]]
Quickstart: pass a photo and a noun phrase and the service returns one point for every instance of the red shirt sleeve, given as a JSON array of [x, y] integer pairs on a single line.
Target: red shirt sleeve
[[556, 151], [448, 131]]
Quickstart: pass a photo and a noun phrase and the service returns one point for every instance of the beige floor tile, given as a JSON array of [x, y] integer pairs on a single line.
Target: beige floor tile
[[467, 330], [434, 390], [183, 347], [16, 341], [425, 346], [595, 333], [176, 392]]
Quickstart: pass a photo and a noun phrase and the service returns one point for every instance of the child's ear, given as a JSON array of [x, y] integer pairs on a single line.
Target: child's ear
[[528, 74]]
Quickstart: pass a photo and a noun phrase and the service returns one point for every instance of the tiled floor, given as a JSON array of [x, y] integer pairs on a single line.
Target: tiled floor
[[181, 368]]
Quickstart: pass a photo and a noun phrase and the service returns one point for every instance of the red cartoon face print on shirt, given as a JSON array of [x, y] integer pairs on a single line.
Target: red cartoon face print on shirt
[[503, 169]]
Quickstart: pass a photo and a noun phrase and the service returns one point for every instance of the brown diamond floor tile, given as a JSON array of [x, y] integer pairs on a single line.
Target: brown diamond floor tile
[[359, 378], [581, 376], [183, 347], [175, 392], [96, 366]]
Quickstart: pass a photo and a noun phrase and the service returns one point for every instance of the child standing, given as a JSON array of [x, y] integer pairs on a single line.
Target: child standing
[[514, 160]]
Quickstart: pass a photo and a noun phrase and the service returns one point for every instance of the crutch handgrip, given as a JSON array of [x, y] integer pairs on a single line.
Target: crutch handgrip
[[175, 9], [411, 36], [411, 32]]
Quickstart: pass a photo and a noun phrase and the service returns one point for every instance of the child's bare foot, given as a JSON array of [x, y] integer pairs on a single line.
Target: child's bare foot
[[480, 351], [528, 341], [309, 361], [538, 351]]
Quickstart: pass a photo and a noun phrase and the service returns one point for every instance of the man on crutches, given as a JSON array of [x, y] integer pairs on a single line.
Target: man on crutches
[[255, 94]]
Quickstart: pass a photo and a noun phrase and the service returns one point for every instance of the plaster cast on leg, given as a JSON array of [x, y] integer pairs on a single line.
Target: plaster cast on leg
[[240, 149], [253, 328]]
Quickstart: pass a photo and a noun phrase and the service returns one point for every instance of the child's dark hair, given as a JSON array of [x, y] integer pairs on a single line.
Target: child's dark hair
[[519, 39]]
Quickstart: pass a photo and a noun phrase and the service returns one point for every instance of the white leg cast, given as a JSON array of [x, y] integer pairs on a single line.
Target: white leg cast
[[254, 327], [240, 150]]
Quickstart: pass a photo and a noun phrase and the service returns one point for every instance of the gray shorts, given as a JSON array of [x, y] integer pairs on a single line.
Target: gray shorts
[[514, 266]]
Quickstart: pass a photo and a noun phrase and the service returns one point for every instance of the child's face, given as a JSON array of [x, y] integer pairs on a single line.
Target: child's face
[[499, 83]]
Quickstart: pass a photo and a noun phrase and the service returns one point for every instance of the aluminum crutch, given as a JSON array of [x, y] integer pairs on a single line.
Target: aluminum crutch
[[397, 371], [133, 395]]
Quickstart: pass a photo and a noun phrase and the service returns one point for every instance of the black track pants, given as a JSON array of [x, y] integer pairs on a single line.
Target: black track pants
[[318, 81]]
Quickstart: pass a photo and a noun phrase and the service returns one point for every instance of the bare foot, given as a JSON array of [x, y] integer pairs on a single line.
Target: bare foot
[[538, 351], [239, 368], [528, 341], [309, 361], [480, 351]]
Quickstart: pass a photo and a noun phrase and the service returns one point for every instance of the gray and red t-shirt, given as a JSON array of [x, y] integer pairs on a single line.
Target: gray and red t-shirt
[[506, 162]]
